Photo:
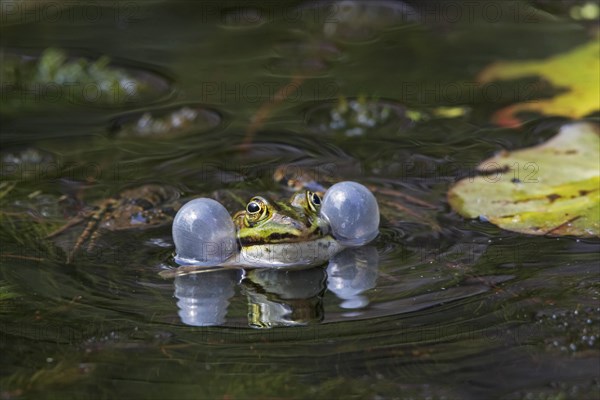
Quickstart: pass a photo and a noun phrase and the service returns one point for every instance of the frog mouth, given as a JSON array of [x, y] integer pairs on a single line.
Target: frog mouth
[[280, 238]]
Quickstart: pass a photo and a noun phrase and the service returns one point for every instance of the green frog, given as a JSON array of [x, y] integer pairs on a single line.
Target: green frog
[[285, 233], [268, 233], [279, 233]]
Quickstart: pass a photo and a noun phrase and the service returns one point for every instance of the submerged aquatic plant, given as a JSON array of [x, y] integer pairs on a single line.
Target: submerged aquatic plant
[[55, 75], [171, 122], [355, 116], [7, 293], [24, 221], [55, 66], [62, 373], [148, 125]]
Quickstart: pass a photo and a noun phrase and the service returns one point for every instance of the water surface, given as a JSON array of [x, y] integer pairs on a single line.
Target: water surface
[[436, 307]]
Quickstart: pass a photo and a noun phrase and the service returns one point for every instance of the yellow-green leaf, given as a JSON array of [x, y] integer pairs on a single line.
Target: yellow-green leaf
[[577, 73], [550, 189]]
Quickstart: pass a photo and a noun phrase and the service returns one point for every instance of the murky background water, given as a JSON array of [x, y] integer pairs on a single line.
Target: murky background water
[[436, 307]]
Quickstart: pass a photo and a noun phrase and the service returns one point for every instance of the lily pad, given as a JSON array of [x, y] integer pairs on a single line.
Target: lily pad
[[576, 74], [549, 189]]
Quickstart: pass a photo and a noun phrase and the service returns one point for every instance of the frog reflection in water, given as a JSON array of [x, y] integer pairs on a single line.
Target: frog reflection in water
[[142, 207], [278, 297], [275, 298]]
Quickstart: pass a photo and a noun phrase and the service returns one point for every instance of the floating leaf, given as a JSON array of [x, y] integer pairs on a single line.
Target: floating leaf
[[552, 189], [576, 74]]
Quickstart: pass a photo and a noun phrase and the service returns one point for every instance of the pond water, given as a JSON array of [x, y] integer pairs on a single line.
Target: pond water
[[435, 307]]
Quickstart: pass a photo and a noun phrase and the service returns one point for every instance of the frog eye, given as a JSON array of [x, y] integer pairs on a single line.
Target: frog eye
[[253, 207], [256, 210], [314, 200]]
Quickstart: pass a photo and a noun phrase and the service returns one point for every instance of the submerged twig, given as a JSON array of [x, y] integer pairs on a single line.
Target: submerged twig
[[266, 108]]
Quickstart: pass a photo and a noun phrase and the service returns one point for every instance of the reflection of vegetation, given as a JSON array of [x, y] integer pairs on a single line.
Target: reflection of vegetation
[[148, 125], [5, 188], [24, 222], [6, 294], [171, 122], [360, 115], [62, 374], [355, 116], [23, 164], [56, 77], [364, 20]]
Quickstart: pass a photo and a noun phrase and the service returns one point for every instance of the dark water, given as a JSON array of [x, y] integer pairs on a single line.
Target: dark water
[[436, 307]]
